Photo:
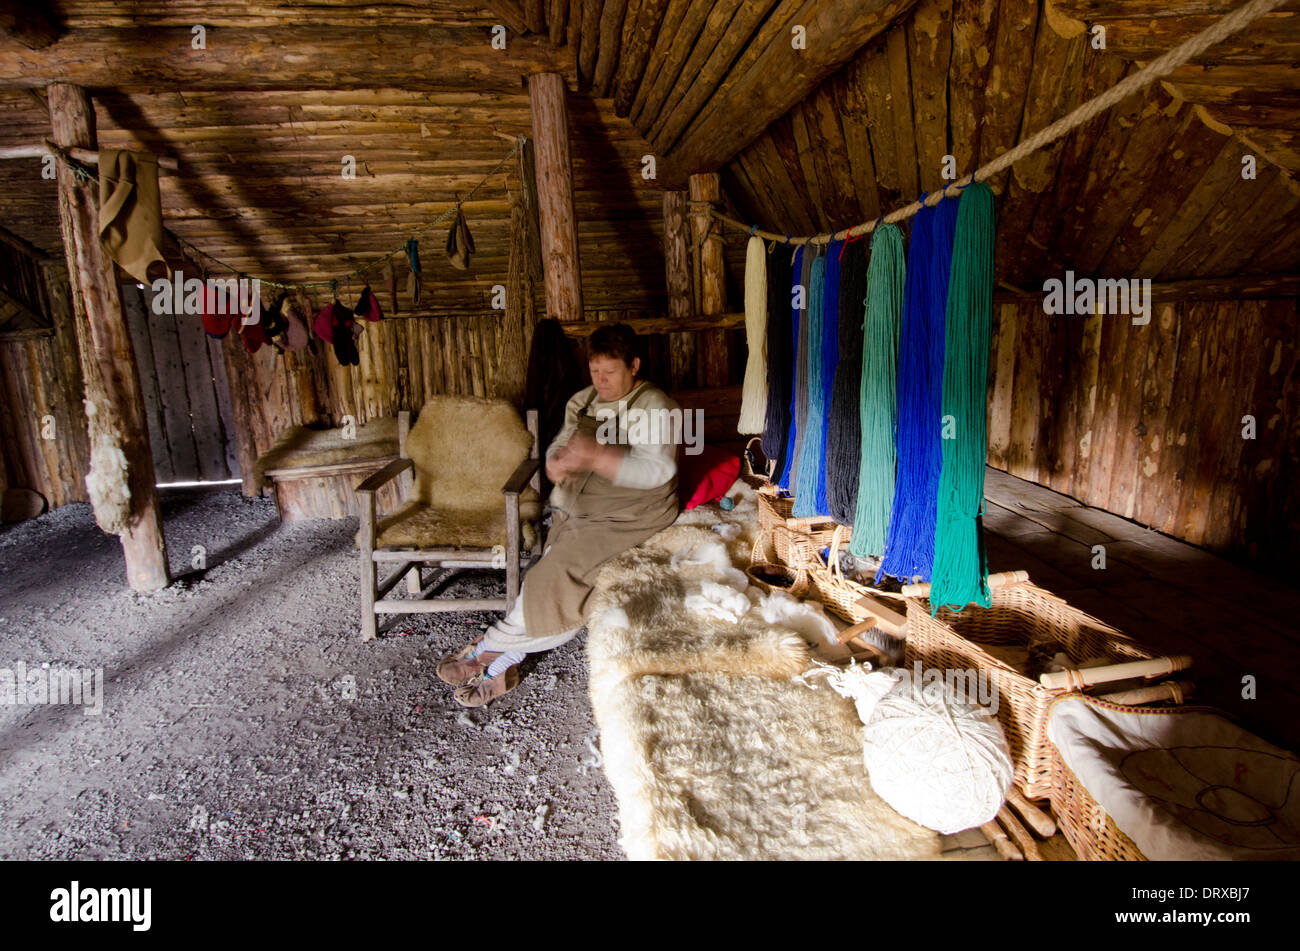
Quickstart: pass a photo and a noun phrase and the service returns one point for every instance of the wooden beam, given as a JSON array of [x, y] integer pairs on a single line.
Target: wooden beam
[[287, 57], [31, 24], [710, 275], [661, 325], [677, 275], [563, 282], [780, 77], [108, 361]]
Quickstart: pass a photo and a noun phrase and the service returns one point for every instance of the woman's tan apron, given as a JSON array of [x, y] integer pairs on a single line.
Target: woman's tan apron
[[604, 520]]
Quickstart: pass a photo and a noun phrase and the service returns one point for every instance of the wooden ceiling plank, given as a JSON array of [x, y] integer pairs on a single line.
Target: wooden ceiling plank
[[703, 55], [835, 32], [611, 39], [659, 50], [639, 42], [929, 51], [679, 47]]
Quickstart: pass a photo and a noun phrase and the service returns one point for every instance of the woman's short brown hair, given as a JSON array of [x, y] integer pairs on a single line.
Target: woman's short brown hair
[[614, 340]]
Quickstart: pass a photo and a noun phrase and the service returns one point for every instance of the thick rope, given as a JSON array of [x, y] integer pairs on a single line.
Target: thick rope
[[1158, 68], [753, 404], [878, 396], [960, 574]]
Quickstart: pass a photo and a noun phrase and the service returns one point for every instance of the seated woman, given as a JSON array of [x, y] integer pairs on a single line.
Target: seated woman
[[609, 496]]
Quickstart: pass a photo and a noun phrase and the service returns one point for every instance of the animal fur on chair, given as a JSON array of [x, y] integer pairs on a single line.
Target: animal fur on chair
[[712, 748]]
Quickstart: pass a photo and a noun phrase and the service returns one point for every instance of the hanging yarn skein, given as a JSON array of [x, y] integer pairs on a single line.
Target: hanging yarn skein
[[799, 382], [844, 424], [823, 306], [909, 548], [753, 402], [960, 574], [780, 363], [878, 398]]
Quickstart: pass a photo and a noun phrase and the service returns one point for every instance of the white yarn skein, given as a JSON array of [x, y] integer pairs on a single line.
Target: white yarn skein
[[753, 403], [940, 762]]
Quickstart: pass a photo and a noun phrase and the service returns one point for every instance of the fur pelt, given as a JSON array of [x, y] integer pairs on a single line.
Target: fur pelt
[[713, 750]]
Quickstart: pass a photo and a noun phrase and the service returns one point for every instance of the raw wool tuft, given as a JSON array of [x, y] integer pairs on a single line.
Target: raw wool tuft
[[107, 483], [753, 406], [938, 760]]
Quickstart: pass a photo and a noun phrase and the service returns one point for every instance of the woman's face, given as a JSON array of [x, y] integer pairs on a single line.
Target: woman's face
[[612, 377]]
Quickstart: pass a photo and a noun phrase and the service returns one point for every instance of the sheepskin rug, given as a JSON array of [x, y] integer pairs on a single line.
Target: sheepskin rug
[[713, 749]]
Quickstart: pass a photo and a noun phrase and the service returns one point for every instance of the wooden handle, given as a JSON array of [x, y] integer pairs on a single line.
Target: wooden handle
[[1006, 848], [849, 633], [1078, 679], [886, 618], [1040, 821], [1176, 690], [1022, 838], [1001, 579]]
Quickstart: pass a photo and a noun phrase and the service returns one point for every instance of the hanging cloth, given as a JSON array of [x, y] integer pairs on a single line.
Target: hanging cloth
[[753, 403], [460, 243], [130, 211]]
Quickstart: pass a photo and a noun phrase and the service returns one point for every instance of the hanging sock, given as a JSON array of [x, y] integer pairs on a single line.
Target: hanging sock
[[368, 305], [878, 398], [960, 569], [810, 493], [413, 280], [909, 546], [843, 426], [798, 300], [460, 243], [753, 403], [780, 362]]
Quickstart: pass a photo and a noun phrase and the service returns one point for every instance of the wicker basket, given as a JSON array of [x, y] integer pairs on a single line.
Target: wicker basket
[[1021, 615], [838, 593], [796, 542], [1086, 826]]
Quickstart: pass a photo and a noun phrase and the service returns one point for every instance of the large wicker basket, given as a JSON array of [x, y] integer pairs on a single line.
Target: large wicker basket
[[795, 542], [1086, 826], [1021, 614]]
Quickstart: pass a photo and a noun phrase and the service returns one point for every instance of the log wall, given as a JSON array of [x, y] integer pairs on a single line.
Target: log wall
[[1147, 421]]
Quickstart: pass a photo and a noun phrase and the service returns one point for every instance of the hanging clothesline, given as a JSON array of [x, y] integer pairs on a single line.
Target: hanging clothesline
[[84, 172], [1227, 25]]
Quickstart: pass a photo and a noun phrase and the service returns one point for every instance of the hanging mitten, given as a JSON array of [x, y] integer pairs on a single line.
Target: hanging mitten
[[296, 334], [274, 323], [368, 305], [345, 344], [214, 324], [413, 282], [390, 282], [460, 244], [252, 334]]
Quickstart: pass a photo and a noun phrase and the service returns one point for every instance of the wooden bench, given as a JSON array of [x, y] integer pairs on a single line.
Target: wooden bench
[[313, 473]]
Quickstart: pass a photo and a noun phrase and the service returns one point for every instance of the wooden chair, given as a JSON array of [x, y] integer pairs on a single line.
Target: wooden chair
[[460, 449]]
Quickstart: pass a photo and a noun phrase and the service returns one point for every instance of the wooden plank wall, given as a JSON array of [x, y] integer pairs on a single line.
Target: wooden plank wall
[[182, 376], [1146, 421], [32, 394]]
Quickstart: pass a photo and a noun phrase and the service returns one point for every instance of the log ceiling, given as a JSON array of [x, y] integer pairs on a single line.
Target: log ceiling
[[1149, 189], [809, 140]]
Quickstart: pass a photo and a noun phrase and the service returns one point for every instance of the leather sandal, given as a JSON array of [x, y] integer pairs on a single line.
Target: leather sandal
[[485, 689], [463, 666]]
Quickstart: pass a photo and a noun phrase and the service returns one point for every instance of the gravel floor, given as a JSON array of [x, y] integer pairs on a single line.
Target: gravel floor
[[243, 718]]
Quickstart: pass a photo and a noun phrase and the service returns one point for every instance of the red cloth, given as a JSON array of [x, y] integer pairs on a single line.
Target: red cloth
[[706, 477]]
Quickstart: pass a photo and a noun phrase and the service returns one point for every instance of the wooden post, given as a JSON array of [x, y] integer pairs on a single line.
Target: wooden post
[[563, 280], [237, 373], [711, 282], [677, 276], [107, 359], [521, 312]]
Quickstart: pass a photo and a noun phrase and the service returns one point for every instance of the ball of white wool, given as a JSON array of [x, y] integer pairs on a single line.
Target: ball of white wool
[[938, 760]]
